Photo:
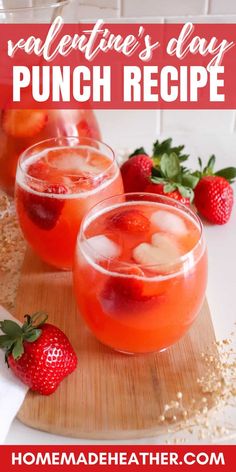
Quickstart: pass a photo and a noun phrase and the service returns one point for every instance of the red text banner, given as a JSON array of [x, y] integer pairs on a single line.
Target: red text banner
[[45, 458], [118, 66]]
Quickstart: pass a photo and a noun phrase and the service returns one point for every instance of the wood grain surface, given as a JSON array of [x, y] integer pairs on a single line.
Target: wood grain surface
[[110, 395]]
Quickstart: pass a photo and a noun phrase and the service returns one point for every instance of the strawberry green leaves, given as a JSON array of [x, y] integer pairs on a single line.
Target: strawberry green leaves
[[138, 151], [5, 342], [14, 335], [165, 147], [10, 328], [18, 349], [229, 173], [12, 339], [170, 166], [208, 170], [189, 180], [173, 176]]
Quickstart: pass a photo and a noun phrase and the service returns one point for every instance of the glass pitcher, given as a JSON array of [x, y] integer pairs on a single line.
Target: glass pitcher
[[19, 129]]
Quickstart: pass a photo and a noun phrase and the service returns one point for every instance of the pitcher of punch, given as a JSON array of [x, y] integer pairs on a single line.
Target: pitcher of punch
[[21, 128]]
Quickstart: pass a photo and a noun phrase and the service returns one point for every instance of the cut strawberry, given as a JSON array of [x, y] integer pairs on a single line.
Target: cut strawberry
[[125, 295], [44, 177], [24, 123], [121, 295], [131, 270], [132, 221], [127, 288], [44, 211], [38, 170], [88, 128], [85, 131]]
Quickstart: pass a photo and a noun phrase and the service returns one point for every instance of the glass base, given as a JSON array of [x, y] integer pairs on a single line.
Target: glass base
[[126, 353]]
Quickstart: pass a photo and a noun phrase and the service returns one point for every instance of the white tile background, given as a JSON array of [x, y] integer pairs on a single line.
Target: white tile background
[[144, 8], [162, 7], [151, 123]]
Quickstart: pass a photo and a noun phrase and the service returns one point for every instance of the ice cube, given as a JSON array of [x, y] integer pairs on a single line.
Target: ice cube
[[102, 246], [167, 243], [166, 221], [156, 256], [98, 161], [71, 162]]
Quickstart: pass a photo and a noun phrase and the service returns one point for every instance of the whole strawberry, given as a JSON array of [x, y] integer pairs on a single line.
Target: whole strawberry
[[136, 171], [38, 353], [214, 199], [213, 194]]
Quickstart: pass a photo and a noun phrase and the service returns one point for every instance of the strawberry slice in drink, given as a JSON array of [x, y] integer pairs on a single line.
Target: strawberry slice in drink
[[44, 211], [132, 221], [122, 295], [38, 170], [72, 173], [84, 129], [57, 171], [23, 123]]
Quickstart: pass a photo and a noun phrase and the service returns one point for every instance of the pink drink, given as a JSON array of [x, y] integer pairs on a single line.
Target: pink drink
[[20, 129], [57, 182], [144, 259]]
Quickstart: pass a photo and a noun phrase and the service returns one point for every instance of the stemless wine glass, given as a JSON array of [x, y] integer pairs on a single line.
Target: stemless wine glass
[[144, 260], [19, 129], [58, 181]]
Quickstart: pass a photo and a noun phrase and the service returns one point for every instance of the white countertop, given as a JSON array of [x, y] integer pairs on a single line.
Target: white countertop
[[132, 129]]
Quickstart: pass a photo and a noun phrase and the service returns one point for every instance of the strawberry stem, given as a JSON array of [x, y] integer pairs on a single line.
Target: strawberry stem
[[229, 173], [138, 151], [36, 320], [165, 147], [173, 176]]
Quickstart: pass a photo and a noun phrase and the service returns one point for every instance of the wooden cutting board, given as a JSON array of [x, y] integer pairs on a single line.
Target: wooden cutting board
[[110, 395]]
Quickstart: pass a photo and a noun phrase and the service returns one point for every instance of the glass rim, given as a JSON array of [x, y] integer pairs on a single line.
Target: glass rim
[[85, 142], [162, 198], [52, 4]]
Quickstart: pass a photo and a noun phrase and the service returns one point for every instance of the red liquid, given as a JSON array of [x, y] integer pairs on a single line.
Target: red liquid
[[135, 307], [50, 210], [19, 129]]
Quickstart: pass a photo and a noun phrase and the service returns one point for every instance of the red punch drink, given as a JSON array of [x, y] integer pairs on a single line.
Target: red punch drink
[[144, 260], [57, 182], [20, 129]]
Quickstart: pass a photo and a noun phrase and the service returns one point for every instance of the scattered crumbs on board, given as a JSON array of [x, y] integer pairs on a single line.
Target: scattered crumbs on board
[[12, 249]]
